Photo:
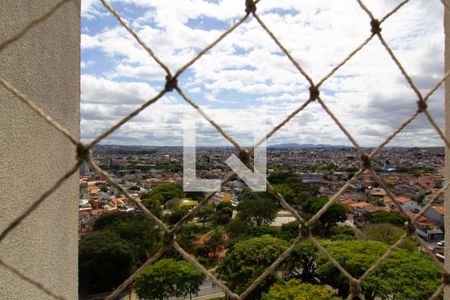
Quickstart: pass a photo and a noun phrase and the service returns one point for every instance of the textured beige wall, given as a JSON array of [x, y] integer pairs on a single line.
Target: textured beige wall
[[44, 65]]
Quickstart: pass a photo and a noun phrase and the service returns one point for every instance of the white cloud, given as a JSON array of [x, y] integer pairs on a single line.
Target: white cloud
[[90, 9], [369, 94], [100, 90]]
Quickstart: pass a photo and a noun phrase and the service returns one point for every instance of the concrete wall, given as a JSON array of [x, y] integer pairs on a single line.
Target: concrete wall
[[44, 65]]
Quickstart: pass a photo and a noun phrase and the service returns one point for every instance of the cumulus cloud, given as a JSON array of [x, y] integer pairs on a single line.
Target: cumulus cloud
[[248, 83]]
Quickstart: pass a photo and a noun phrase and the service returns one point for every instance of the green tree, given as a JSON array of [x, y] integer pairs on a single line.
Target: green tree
[[153, 205], [263, 230], [141, 234], [138, 231], [237, 228], [382, 232], [215, 242], [341, 233], [387, 233], [111, 219], [224, 212], [302, 262], [247, 260], [164, 192], [290, 230], [286, 191], [258, 208], [283, 177], [205, 214], [223, 205], [296, 290], [335, 213], [302, 197], [195, 195], [169, 278], [104, 261], [403, 275], [388, 217], [187, 235], [203, 251], [291, 187], [171, 204], [177, 214]]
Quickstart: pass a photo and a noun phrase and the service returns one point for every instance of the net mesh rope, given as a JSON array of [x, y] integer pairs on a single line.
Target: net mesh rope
[[83, 153]]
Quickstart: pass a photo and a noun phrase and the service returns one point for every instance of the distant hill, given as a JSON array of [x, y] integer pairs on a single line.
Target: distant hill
[[296, 145]]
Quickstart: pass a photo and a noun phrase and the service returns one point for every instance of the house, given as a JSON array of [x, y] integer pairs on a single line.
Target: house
[[88, 217], [377, 194], [436, 213], [391, 179], [222, 197], [407, 204], [361, 206], [312, 178], [347, 199], [84, 205]]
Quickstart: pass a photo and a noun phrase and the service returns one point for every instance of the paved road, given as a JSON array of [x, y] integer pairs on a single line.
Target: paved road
[[207, 291], [283, 217]]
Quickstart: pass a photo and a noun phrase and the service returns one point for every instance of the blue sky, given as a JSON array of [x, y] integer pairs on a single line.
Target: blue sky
[[246, 83]]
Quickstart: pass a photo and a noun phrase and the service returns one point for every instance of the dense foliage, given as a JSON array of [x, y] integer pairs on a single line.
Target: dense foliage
[[247, 260], [205, 214], [105, 260], [335, 213], [122, 241], [224, 213], [169, 278], [404, 275], [302, 262], [139, 232], [177, 214], [296, 290], [119, 244], [388, 217], [164, 192], [258, 208]]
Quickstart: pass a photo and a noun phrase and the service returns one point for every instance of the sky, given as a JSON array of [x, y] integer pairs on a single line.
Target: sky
[[246, 84]]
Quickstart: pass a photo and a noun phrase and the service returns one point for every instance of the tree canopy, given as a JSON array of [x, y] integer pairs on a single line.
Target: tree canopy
[[164, 192], [383, 232], [205, 214], [237, 228], [119, 243], [247, 260], [388, 217], [405, 274], [138, 231], [224, 212], [104, 262], [177, 214], [335, 213], [296, 290], [215, 241], [258, 208], [286, 191], [154, 205], [302, 262], [169, 278]]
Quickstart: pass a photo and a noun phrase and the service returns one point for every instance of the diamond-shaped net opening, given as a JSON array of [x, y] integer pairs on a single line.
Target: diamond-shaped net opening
[[83, 153]]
